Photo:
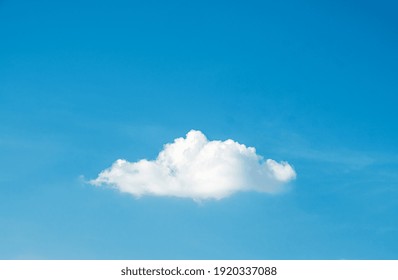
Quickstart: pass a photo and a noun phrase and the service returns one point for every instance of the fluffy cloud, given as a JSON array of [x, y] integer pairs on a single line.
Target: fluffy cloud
[[194, 167]]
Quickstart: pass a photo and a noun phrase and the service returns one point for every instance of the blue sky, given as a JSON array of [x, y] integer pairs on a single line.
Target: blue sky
[[84, 83]]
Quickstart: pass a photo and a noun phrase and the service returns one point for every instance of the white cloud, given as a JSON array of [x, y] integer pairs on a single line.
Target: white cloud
[[194, 167]]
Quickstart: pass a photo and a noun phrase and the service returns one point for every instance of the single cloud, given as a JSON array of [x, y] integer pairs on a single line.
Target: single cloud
[[194, 167]]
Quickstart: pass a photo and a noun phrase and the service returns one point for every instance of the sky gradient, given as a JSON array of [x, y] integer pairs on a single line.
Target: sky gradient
[[84, 83]]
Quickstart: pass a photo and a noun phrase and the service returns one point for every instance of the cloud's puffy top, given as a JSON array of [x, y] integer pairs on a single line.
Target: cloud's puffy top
[[194, 167]]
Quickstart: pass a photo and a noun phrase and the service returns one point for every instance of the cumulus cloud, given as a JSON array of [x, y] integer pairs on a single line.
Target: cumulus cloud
[[194, 167]]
